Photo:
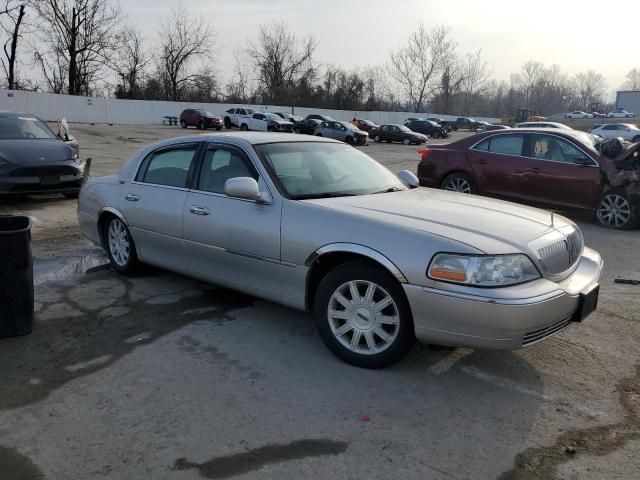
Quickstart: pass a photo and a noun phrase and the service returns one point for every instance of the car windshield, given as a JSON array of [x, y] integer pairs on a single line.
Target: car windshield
[[402, 128], [274, 117], [318, 169], [350, 126], [206, 114], [16, 127], [368, 122]]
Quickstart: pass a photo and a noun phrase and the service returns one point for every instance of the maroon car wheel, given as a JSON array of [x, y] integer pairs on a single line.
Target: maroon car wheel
[[459, 182]]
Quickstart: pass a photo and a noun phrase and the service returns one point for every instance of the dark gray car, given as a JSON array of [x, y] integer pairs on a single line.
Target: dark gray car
[[343, 131], [34, 160]]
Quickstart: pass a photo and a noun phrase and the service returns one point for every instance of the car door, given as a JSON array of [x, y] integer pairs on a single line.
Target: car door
[[153, 202], [560, 173], [498, 164], [257, 121], [230, 240]]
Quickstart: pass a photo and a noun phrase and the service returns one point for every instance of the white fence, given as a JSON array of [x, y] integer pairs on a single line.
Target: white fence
[[49, 106]]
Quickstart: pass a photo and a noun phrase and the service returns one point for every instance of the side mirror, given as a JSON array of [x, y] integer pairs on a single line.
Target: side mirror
[[408, 178], [245, 188], [582, 161]]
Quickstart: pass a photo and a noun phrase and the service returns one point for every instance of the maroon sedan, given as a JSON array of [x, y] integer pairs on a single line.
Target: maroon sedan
[[559, 169]]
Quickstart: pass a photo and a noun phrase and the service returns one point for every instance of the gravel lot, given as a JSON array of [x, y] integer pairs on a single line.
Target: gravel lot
[[163, 377]]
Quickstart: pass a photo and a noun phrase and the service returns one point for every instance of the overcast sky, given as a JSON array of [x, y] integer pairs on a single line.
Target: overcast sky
[[577, 35]]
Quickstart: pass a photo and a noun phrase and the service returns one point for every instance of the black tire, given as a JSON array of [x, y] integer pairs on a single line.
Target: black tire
[[349, 140], [376, 139], [227, 123], [625, 208], [72, 194], [244, 127], [202, 126], [132, 264], [183, 124], [362, 271], [407, 141], [459, 178], [218, 129], [319, 135]]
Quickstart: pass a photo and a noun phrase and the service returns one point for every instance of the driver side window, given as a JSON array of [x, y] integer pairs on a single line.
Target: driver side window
[[220, 165]]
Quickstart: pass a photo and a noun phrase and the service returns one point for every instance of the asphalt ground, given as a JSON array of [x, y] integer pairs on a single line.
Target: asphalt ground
[[163, 377]]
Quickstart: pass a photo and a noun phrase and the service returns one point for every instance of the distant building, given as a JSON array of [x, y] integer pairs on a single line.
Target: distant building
[[629, 100]]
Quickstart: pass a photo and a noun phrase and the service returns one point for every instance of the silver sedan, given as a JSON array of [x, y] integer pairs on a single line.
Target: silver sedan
[[318, 225]]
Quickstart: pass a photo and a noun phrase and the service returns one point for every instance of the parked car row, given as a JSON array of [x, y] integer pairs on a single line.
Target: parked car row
[[617, 113]]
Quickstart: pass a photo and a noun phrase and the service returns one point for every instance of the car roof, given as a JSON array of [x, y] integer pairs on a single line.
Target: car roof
[[251, 138], [574, 134]]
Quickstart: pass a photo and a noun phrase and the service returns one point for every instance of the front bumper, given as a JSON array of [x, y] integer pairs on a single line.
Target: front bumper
[[505, 318], [47, 179]]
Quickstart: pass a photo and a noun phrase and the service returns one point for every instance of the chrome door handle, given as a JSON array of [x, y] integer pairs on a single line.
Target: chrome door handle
[[132, 197], [481, 161], [199, 210]]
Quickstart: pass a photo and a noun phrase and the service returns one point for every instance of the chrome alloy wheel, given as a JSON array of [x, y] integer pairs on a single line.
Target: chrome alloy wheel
[[363, 317], [119, 244], [457, 184], [614, 211]]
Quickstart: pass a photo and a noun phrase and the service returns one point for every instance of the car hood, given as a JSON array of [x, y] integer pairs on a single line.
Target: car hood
[[35, 152], [489, 225]]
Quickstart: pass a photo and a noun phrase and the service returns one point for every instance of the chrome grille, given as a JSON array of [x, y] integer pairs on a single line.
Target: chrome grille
[[537, 335], [561, 255]]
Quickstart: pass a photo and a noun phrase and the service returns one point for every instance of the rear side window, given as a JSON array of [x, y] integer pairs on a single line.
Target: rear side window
[[168, 167], [502, 144]]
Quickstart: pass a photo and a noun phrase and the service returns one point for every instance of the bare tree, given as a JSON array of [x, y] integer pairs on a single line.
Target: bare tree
[[475, 75], [282, 60], [11, 19], [81, 35], [130, 60], [633, 79], [590, 87], [417, 65], [241, 85], [185, 39]]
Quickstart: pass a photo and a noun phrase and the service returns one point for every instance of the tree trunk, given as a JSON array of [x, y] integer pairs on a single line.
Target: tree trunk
[[73, 63], [14, 47]]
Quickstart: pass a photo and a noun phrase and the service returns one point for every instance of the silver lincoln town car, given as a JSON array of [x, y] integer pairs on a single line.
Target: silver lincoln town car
[[318, 225]]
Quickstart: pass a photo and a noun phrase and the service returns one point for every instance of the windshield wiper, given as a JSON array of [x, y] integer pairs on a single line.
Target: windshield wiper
[[389, 190], [308, 196]]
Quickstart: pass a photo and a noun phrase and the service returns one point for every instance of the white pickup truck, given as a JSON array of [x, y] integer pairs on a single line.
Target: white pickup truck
[[238, 117]]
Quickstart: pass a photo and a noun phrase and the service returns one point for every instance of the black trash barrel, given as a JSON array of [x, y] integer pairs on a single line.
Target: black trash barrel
[[16, 276]]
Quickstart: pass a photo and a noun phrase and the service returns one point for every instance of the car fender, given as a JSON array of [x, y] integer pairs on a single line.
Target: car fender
[[359, 250]]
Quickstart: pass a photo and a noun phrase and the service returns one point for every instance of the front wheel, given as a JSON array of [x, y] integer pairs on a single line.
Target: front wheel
[[363, 316], [120, 247], [349, 140], [616, 211], [459, 182], [406, 141], [227, 123]]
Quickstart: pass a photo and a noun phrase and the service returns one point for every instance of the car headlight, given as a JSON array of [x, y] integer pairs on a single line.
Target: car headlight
[[482, 270]]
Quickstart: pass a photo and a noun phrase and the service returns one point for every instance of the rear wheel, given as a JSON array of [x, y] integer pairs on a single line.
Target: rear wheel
[[363, 316], [244, 127], [120, 247], [376, 138], [183, 124], [459, 182], [615, 211]]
